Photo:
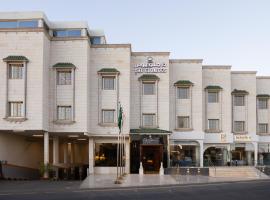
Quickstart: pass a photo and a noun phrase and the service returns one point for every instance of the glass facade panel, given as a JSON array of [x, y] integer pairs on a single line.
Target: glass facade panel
[[105, 154], [28, 24], [95, 40], [8, 24]]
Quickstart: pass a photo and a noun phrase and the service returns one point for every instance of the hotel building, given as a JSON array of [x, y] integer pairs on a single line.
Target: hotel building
[[60, 88]]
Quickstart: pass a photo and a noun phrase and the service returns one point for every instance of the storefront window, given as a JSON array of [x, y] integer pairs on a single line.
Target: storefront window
[[106, 154], [264, 154], [182, 155]]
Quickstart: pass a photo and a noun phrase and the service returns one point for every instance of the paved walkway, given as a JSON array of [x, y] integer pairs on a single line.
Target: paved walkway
[[135, 180]]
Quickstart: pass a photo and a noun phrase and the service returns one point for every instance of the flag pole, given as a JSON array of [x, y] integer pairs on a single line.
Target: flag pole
[[120, 121]]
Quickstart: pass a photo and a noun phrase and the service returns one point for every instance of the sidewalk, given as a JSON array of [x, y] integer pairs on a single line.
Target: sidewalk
[[135, 180]]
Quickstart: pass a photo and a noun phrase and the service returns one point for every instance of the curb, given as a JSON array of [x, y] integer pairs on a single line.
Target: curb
[[173, 185]]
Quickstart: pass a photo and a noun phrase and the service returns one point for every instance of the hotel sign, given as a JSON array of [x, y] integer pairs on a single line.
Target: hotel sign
[[242, 138], [150, 67]]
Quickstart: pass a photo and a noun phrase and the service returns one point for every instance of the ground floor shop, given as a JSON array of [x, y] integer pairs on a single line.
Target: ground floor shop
[[77, 154]]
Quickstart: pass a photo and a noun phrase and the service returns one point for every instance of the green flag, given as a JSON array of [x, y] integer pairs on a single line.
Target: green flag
[[120, 118]]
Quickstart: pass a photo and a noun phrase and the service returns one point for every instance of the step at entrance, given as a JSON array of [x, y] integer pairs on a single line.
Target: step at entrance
[[236, 172]]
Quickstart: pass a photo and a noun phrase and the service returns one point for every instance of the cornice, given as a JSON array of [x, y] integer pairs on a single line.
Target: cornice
[[150, 53], [186, 60]]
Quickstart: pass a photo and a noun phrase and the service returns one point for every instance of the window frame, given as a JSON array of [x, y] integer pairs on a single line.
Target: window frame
[[266, 128], [218, 125], [216, 96], [241, 131], [148, 83], [66, 81], [179, 93], [20, 75], [20, 112], [65, 118], [103, 116], [183, 117], [259, 105], [104, 85], [153, 120], [237, 96]]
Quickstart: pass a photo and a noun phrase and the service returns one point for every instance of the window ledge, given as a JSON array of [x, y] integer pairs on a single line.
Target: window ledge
[[240, 133], [263, 134], [65, 122], [15, 119], [212, 131], [148, 127], [108, 124], [183, 129]]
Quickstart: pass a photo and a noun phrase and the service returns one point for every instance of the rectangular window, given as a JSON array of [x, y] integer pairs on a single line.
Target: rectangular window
[[108, 83], [15, 109], [148, 88], [67, 33], [239, 100], [262, 103], [149, 120], [19, 24], [108, 116], [263, 128], [213, 124], [105, 154], [183, 122], [16, 71], [212, 97], [64, 77], [182, 93], [64, 113], [239, 126], [28, 24], [95, 40]]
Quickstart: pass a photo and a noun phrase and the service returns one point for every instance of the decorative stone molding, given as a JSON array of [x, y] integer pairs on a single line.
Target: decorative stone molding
[[15, 119], [64, 122]]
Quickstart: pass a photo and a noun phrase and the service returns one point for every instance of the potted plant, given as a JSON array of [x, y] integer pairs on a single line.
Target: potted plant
[[45, 169]]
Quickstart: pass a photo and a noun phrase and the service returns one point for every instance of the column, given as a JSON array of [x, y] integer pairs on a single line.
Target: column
[[127, 151], [56, 154], [197, 156], [65, 153], [46, 153], [201, 152], [91, 156], [55, 150], [255, 144]]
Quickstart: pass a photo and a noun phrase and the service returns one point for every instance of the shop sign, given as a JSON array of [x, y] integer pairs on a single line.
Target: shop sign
[[150, 67], [223, 137], [242, 138], [150, 140]]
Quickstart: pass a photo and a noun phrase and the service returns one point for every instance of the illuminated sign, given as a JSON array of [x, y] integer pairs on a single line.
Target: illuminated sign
[[242, 138], [150, 67]]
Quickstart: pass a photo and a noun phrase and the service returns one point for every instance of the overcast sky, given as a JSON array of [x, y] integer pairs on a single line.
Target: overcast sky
[[225, 32]]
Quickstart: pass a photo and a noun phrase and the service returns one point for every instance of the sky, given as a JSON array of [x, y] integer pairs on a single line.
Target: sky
[[221, 32]]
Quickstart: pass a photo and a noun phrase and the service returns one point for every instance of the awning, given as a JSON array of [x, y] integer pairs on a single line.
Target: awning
[[13, 58]]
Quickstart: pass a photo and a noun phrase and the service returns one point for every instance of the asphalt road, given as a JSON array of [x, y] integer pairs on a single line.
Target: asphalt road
[[258, 190]]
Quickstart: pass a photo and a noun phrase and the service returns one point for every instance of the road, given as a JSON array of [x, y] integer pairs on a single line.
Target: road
[[257, 190]]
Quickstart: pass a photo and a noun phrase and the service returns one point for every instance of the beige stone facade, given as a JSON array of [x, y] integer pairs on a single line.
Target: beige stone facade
[[63, 109]]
